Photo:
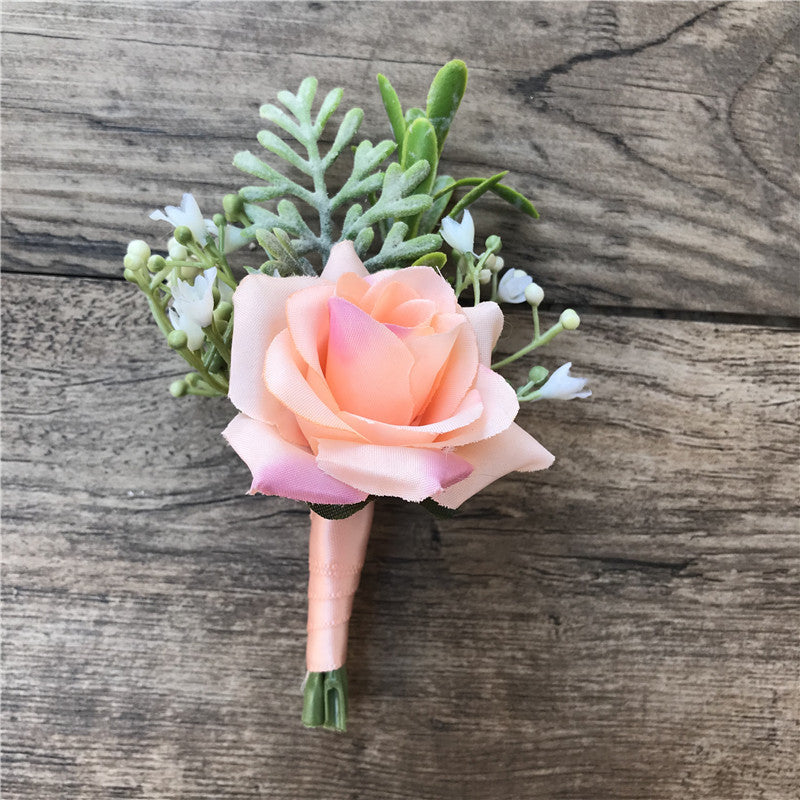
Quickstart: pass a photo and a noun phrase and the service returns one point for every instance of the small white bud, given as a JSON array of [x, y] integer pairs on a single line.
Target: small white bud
[[485, 276], [177, 252], [139, 249], [498, 264], [569, 319], [534, 294], [133, 262]]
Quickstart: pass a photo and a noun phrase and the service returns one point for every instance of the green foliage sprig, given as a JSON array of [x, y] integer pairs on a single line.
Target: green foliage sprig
[[403, 206], [395, 192]]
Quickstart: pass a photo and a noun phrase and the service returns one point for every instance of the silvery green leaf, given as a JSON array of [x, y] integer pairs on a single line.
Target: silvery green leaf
[[363, 241], [347, 130], [329, 105], [269, 141], [397, 253], [280, 118]]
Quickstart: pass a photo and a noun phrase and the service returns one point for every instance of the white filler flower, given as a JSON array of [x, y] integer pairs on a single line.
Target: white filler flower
[[562, 386], [513, 285], [188, 214], [459, 235], [192, 307]]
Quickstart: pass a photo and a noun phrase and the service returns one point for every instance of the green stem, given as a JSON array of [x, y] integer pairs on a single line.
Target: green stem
[[320, 198], [188, 356], [325, 700], [201, 391], [537, 341], [213, 335]]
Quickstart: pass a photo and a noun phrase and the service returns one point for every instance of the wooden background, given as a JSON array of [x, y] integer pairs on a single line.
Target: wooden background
[[622, 626]]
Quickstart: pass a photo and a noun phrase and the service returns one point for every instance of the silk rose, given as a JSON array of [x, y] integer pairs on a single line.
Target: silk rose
[[355, 384]]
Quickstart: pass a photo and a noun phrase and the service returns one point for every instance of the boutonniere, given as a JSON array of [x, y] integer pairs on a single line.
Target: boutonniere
[[358, 353]]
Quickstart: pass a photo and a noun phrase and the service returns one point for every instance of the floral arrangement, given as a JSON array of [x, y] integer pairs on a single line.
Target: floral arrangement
[[358, 352]]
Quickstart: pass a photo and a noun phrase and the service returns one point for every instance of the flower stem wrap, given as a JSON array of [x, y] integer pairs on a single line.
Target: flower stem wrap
[[336, 550]]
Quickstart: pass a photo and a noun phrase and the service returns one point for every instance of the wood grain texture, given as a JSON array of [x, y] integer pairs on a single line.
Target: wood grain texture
[[657, 139], [622, 626]]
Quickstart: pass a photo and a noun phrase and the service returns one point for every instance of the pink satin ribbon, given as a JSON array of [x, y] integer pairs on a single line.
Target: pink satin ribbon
[[336, 550]]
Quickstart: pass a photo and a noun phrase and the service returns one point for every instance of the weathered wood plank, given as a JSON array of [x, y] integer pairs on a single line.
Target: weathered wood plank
[[658, 139], [622, 626]]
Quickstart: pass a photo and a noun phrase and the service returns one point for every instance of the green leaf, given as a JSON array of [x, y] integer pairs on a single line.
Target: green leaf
[[395, 199], [396, 252], [280, 118], [305, 98], [471, 196], [391, 102], [420, 145], [338, 511], [347, 130], [247, 162], [363, 241], [436, 260], [520, 202], [430, 218], [414, 113], [329, 105], [437, 510], [366, 158], [269, 141], [363, 180], [278, 246], [444, 97]]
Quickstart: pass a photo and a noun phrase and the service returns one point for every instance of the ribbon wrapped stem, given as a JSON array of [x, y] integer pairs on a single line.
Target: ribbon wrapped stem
[[335, 558]]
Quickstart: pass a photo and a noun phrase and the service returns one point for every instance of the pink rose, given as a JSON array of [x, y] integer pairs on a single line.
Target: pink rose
[[353, 384]]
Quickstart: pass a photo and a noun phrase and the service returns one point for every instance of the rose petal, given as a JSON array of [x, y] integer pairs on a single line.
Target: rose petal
[[351, 287], [368, 367], [407, 472], [430, 353], [500, 407], [456, 378], [343, 259], [285, 380], [487, 321], [425, 281], [282, 469], [307, 318], [511, 450], [411, 314], [260, 303], [374, 432], [381, 302]]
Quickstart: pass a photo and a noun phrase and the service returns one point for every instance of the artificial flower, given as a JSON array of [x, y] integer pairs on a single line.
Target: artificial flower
[[512, 286], [188, 214], [353, 385], [459, 235], [192, 307], [563, 386]]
